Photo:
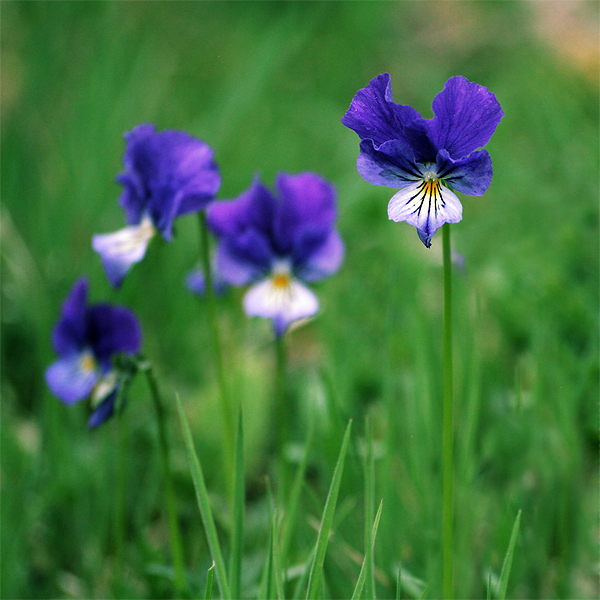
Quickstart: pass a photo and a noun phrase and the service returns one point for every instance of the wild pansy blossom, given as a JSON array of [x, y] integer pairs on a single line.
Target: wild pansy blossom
[[276, 244], [86, 339], [166, 175], [425, 157]]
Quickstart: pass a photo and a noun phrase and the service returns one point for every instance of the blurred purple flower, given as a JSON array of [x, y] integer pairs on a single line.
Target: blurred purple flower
[[425, 157], [196, 282], [166, 175], [275, 244], [86, 338]]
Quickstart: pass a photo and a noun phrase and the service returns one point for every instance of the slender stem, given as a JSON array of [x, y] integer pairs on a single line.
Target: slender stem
[[226, 408], [120, 501], [175, 534], [282, 411], [448, 428]]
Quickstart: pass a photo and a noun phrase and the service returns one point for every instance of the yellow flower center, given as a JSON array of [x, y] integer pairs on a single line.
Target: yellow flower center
[[87, 363], [431, 187], [281, 280]]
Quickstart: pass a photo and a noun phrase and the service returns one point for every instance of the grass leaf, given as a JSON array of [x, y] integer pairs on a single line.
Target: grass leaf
[[210, 575], [314, 580], [507, 564], [364, 571], [204, 506]]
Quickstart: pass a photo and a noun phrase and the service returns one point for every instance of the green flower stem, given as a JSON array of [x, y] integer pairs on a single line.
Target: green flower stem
[[281, 411], [120, 501], [448, 429], [175, 534], [226, 408]]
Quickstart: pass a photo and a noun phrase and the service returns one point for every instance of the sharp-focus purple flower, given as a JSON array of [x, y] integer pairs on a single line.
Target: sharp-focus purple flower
[[424, 158], [275, 244], [86, 338], [166, 175]]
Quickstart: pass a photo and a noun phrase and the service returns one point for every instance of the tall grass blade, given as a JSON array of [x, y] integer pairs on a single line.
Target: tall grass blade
[[364, 571], [399, 582], [204, 506], [291, 509], [369, 509], [507, 564], [210, 575], [239, 498], [316, 571]]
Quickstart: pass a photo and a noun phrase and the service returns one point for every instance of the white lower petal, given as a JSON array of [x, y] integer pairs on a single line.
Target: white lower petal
[[425, 204], [283, 304], [122, 249]]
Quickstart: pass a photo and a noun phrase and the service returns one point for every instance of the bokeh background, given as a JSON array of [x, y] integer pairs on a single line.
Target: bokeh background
[[266, 84]]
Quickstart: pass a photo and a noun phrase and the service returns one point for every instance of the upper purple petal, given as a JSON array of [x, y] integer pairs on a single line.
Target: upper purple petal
[[166, 174], [373, 115], [256, 229], [306, 215], [466, 116], [253, 209], [112, 329], [70, 333]]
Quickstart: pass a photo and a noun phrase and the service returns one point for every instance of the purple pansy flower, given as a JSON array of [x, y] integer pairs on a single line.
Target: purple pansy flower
[[86, 338], [275, 244], [425, 157], [166, 175]]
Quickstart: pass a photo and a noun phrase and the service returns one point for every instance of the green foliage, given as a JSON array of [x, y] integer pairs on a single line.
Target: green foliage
[[266, 84]]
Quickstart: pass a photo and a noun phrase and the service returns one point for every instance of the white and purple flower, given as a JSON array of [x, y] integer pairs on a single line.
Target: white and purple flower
[[167, 174], [278, 245], [425, 158], [86, 339]]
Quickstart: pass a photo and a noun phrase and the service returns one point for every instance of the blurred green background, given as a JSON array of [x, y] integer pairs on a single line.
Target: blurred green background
[[266, 84]]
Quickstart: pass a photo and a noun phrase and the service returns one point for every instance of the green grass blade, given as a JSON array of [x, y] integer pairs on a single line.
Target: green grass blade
[[314, 580], [399, 582], [204, 505], [369, 510], [239, 498], [291, 509], [507, 564], [364, 570], [210, 575], [489, 585]]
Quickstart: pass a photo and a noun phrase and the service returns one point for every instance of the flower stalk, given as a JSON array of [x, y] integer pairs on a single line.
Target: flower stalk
[[175, 534], [225, 402], [448, 428], [282, 411]]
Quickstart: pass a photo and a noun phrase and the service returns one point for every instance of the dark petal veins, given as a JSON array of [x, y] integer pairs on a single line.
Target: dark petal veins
[[112, 329], [466, 116], [70, 332], [392, 164], [471, 175]]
